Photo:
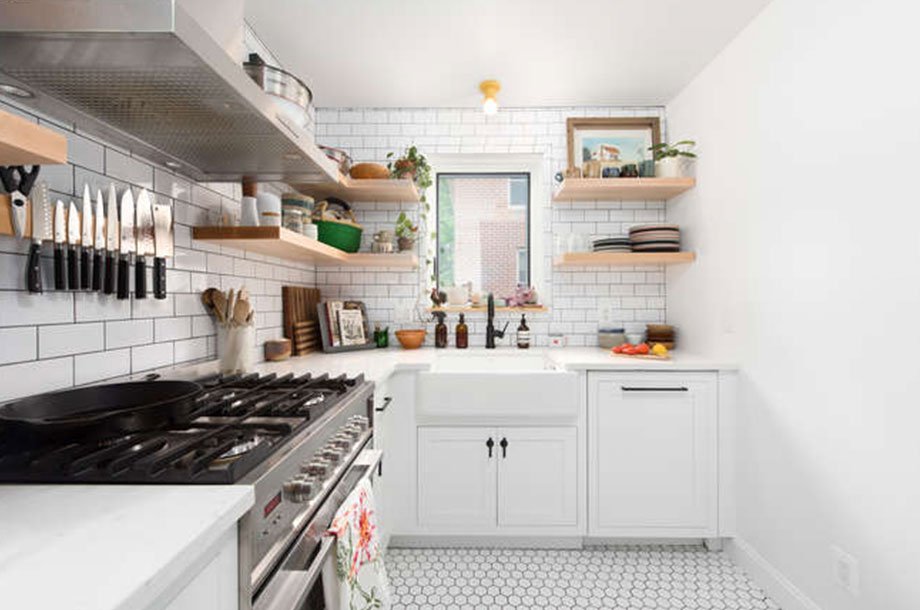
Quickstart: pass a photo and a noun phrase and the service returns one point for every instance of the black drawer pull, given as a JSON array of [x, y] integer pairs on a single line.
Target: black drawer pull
[[490, 444], [635, 389], [386, 403]]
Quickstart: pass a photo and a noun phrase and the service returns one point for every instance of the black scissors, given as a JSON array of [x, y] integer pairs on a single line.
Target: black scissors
[[18, 183]]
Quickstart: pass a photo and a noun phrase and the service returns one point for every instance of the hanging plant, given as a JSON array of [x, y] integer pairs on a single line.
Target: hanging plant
[[413, 165]]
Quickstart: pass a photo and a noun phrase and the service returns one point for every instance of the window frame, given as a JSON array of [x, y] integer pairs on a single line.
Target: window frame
[[495, 174], [537, 165]]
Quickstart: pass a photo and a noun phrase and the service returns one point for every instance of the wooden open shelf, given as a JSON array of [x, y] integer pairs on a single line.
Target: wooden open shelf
[[23, 142], [382, 191], [283, 243], [482, 308], [597, 259], [628, 189]]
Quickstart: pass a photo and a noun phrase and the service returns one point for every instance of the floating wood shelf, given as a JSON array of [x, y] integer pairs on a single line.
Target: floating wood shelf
[[628, 189], [282, 243], [482, 308], [597, 259], [23, 142], [382, 191]]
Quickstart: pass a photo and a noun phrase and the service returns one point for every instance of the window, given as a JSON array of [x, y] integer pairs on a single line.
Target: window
[[483, 231]]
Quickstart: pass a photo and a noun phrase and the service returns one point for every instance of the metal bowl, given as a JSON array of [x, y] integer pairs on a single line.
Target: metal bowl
[[296, 97]]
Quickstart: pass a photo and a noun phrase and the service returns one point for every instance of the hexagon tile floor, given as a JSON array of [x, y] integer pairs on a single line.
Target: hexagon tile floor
[[672, 577]]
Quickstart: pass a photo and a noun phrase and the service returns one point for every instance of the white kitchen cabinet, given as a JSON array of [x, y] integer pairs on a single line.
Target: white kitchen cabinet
[[652, 454], [526, 479], [394, 435], [214, 587], [537, 477]]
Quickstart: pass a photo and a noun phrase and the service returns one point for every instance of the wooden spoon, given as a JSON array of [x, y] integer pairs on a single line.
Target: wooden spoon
[[241, 311], [219, 306]]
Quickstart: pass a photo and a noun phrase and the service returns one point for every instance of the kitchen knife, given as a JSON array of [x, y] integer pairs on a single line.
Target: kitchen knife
[[73, 253], [41, 231], [98, 241], [144, 215], [162, 222], [111, 239], [86, 237], [126, 242], [60, 283]]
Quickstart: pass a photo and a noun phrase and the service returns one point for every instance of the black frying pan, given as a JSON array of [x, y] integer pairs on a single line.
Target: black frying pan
[[98, 411]]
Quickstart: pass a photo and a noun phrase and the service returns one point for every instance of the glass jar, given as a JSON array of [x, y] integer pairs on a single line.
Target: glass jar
[[292, 218]]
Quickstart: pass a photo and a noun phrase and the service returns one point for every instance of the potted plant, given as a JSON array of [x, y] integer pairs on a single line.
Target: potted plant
[[405, 232], [412, 165], [670, 158]]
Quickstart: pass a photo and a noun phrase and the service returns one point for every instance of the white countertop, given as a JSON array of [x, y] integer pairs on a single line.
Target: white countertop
[[106, 547], [377, 365]]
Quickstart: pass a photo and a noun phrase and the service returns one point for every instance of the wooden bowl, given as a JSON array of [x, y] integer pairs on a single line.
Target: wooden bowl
[[369, 171], [411, 339]]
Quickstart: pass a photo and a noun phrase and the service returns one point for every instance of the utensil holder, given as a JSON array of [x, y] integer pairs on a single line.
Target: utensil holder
[[235, 348]]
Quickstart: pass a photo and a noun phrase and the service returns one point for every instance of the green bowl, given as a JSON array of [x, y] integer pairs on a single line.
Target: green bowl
[[344, 237]]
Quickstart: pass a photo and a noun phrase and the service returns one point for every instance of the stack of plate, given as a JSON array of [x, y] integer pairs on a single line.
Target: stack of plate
[[655, 238], [613, 244], [660, 333]]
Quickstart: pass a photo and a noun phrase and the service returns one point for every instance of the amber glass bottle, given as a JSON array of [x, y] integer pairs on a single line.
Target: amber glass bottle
[[440, 331], [463, 334]]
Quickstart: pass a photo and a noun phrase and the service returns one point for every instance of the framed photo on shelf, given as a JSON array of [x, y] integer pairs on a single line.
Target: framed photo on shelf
[[611, 141], [343, 326]]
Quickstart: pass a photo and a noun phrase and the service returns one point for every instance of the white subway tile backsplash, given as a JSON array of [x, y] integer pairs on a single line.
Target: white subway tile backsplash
[[24, 309], [94, 306], [18, 343], [65, 339], [89, 368], [128, 333], [170, 329], [36, 377], [152, 308], [128, 169], [146, 357], [191, 349]]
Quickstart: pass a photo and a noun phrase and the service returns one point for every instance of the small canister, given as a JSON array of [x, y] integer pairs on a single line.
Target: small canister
[[292, 218]]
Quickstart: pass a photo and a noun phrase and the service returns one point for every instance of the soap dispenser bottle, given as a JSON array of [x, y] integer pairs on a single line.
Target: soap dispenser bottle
[[463, 334], [440, 331], [523, 334]]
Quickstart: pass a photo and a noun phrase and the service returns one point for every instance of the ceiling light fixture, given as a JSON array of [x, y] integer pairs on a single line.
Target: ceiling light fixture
[[15, 91], [490, 89]]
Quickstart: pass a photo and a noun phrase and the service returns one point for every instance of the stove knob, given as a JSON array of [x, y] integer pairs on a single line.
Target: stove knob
[[359, 421], [331, 455], [316, 468], [340, 443], [299, 489]]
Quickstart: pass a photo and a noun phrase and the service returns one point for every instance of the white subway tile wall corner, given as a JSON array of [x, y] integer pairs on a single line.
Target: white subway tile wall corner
[[58, 339], [575, 296]]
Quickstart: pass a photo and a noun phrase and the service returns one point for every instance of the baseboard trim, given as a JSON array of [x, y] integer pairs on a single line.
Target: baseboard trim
[[506, 542], [765, 574]]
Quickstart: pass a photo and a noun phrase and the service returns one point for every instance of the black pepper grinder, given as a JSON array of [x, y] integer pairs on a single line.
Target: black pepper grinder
[[440, 331]]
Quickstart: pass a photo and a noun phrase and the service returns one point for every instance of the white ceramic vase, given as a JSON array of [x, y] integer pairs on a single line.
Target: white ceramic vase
[[235, 348], [669, 167]]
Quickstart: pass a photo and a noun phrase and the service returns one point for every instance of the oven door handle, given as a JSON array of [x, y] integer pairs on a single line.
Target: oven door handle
[[296, 585]]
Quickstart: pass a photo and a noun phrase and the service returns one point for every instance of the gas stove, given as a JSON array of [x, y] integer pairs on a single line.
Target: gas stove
[[294, 439]]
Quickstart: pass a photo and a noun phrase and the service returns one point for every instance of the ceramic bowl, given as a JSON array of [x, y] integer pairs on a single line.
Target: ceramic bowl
[[411, 339]]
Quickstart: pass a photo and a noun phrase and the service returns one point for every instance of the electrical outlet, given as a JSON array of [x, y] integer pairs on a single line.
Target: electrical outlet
[[846, 570]]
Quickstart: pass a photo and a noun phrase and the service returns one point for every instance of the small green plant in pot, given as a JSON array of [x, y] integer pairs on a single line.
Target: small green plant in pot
[[405, 232], [670, 158], [412, 165]]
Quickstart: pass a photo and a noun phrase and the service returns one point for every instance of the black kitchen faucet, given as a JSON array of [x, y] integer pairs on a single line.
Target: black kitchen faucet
[[491, 333]]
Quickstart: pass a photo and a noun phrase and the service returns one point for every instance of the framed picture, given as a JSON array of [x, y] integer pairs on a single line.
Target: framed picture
[[611, 141], [344, 326]]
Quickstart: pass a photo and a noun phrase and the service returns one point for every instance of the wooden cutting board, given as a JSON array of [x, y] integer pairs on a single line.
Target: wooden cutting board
[[299, 316]]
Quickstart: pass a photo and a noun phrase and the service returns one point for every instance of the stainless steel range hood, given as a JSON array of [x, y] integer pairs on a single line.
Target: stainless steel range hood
[[144, 75]]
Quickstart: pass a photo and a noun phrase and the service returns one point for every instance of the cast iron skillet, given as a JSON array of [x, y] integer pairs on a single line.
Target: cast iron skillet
[[99, 411]]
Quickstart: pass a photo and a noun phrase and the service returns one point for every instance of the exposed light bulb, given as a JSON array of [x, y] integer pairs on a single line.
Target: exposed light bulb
[[490, 106], [489, 89]]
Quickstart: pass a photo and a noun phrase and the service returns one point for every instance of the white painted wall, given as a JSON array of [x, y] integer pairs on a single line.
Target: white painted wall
[[806, 225]]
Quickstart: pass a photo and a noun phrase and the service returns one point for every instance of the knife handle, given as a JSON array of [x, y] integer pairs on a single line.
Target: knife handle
[[159, 278], [123, 279], [97, 270], [73, 269], [84, 269], [34, 274], [140, 278], [60, 281], [109, 287]]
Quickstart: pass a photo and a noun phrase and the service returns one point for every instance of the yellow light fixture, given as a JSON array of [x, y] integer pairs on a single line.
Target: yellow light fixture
[[490, 89]]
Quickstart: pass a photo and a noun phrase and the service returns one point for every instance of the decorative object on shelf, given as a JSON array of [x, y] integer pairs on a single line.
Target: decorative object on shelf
[[608, 338], [592, 168], [369, 171], [489, 90], [613, 141], [573, 172], [383, 242], [293, 97], [671, 159], [459, 295], [405, 232], [292, 218], [630, 170], [661, 333], [300, 318], [344, 326], [337, 225], [610, 172], [462, 334], [655, 238], [269, 206], [339, 156], [522, 297], [411, 338], [305, 202], [647, 169], [276, 350], [381, 336], [440, 330], [438, 297], [613, 244], [249, 212], [414, 165]]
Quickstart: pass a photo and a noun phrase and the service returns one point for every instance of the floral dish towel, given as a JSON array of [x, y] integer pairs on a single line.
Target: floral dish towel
[[362, 577]]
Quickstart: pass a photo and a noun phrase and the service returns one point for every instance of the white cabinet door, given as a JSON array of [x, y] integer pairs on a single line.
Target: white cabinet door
[[652, 454], [537, 477], [456, 476], [215, 586]]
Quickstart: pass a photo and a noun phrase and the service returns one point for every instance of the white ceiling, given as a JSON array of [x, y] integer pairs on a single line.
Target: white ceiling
[[392, 53]]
